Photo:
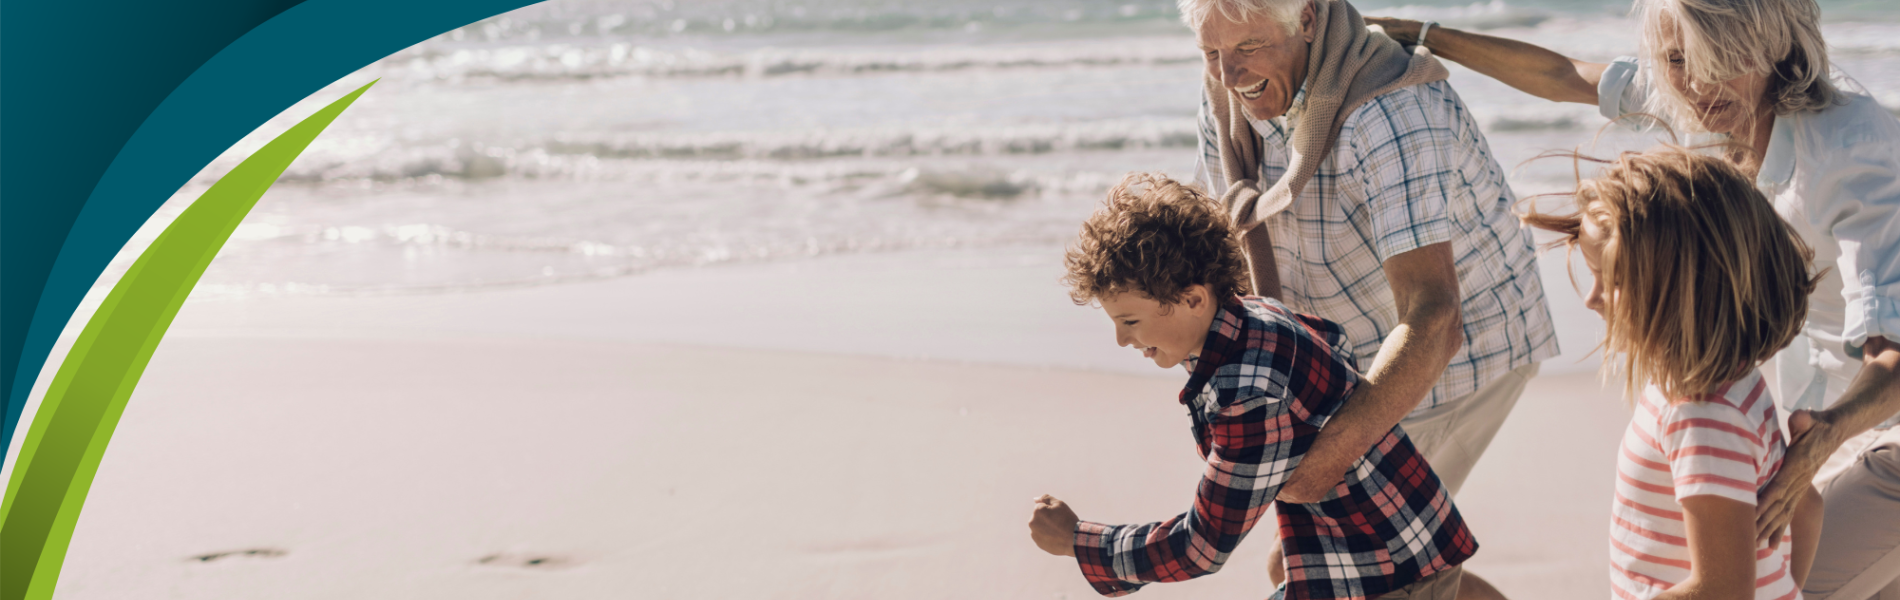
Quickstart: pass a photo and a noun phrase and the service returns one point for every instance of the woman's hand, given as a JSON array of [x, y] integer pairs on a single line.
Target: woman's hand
[[1813, 439], [1404, 31], [1052, 526]]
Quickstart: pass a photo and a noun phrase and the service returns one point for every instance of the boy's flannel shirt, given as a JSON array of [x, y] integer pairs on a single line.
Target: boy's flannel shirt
[[1266, 380]]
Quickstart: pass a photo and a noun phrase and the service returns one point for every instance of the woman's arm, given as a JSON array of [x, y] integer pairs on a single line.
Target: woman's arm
[[1533, 69], [1721, 550], [1874, 396]]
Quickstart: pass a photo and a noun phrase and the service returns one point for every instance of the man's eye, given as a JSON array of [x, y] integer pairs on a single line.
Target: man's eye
[[1129, 323]]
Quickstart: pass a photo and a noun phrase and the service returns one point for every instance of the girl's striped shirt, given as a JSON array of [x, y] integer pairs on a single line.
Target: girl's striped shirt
[[1726, 444]]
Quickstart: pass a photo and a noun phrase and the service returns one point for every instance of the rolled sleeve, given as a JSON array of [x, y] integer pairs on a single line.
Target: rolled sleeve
[[1862, 215], [1617, 92], [1409, 173]]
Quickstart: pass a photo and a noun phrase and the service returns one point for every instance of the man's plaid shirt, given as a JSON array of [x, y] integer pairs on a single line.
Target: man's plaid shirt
[[1266, 380], [1410, 169]]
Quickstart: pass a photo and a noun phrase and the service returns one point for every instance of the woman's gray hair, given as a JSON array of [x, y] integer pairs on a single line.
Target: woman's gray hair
[[1284, 12], [1725, 39]]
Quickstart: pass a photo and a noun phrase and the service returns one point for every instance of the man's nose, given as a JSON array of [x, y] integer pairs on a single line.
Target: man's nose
[[1229, 70]]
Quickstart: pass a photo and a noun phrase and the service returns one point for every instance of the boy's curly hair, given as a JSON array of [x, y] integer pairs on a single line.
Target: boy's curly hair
[[1155, 236]]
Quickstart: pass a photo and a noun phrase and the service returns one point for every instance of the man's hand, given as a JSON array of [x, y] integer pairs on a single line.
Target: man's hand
[[1323, 468], [1052, 526], [1814, 439]]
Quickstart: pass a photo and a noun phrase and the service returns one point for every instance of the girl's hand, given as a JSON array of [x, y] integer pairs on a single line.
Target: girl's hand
[[1813, 440], [1052, 526]]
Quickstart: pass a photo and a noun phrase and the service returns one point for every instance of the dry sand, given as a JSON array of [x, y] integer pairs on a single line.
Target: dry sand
[[868, 427]]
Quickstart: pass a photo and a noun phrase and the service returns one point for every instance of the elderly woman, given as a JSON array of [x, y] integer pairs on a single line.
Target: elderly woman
[[1828, 155]]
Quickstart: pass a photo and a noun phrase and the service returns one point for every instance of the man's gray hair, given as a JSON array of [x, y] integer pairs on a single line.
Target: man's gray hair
[[1284, 12]]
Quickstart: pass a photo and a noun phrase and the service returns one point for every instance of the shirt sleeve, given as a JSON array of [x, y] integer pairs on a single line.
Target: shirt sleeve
[[1408, 165], [1712, 451], [1253, 452], [1618, 93], [1860, 210], [1207, 170]]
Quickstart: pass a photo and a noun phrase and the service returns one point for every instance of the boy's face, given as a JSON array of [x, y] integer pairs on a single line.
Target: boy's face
[[1164, 333]]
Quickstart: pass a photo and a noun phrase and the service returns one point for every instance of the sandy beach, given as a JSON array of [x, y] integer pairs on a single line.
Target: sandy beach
[[858, 427]]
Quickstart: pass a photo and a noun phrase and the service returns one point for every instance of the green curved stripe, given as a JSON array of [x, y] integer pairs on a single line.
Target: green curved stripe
[[82, 406]]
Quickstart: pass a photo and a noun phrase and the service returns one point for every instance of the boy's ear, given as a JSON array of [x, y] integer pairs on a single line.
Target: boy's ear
[[1198, 295]]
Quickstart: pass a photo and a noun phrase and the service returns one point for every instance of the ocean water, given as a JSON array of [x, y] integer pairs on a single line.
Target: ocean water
[[586, 139]]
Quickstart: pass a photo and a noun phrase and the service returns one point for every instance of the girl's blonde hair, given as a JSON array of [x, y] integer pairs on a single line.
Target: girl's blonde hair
[[1725, 39], [1702, 280]]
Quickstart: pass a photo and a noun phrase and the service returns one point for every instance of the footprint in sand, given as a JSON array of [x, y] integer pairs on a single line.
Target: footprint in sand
[[527, 561], [251, 553]]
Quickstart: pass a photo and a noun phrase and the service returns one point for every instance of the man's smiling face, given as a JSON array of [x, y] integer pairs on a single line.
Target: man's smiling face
[[1257, 58]]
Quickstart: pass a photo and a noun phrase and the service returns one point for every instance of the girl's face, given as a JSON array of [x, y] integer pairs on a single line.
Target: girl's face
[[1591, 241], [1729, 107]]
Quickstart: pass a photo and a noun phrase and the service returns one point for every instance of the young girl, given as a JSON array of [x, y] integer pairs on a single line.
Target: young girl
[[1699, 281]]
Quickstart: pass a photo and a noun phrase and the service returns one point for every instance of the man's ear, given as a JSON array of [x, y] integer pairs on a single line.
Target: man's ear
[[1307, 16]]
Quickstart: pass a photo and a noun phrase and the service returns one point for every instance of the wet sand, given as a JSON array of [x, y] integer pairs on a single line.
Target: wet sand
[[866, 427]]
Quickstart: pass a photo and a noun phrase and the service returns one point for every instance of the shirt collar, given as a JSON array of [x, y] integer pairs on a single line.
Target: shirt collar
[[1223, 334], [1777, 165]]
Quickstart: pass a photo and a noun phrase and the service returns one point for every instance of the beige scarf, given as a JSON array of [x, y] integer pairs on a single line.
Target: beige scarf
[[1346, 65]]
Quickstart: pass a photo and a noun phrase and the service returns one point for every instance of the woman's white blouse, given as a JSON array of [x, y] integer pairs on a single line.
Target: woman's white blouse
[[1834, 175]]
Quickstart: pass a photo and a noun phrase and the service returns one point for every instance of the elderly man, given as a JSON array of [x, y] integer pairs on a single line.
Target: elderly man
[[1373, 201]]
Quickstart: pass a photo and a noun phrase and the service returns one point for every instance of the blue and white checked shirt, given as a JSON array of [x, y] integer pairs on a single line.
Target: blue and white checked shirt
[[1410, 169]]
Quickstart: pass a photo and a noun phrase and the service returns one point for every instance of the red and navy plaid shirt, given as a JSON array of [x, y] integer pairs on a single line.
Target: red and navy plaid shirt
[[1265, 382]]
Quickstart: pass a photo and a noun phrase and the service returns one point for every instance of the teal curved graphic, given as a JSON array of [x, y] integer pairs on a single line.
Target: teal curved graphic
[[96, 135], [75, 421]]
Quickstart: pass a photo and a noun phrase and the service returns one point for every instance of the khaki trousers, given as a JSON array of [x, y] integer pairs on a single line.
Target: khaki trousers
[[1859, 557], [1442, 585], [1454, 436]]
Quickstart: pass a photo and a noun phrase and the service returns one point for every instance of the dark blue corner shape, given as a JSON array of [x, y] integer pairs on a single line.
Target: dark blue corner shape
[[111, 105]]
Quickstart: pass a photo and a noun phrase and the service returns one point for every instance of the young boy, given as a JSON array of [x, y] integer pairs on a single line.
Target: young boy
[[1164, 262]]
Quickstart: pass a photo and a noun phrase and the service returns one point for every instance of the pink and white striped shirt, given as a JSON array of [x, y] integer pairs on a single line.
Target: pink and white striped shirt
[[1724, 444]]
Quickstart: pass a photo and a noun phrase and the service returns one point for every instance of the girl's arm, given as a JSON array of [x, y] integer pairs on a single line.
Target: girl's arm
[[1807, 535], [1533, 69], [1721, 550]]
